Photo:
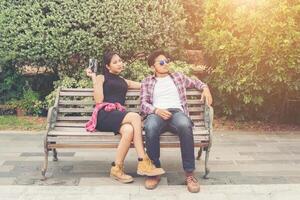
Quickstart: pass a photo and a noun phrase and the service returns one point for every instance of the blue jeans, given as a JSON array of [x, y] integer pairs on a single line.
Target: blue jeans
[[179, 124]]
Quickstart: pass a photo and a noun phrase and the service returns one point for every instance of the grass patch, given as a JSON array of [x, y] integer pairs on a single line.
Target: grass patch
[[26, 123]]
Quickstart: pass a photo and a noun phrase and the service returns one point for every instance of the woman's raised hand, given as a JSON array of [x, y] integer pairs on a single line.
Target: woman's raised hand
[[90, 73]]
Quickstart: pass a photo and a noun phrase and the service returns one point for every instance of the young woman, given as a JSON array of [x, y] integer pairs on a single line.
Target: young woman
[[109, 94]]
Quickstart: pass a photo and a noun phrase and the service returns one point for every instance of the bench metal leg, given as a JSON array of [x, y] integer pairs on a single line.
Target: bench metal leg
[[206, 163], [54, 155], [45, 167], [199, 153]]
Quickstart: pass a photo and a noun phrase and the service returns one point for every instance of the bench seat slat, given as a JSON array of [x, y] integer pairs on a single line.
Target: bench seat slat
[[66, 124], [70, 130], [114, 137], [73, 118], [66, 139], [77, 132], [76, 110], [115, 145]]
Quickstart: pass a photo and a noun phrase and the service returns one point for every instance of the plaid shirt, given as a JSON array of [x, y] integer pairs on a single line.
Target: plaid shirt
[[181, 81]]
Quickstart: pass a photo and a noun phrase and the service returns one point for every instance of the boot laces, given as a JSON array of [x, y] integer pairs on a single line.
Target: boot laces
[[149, 163], [191, 179], [121, 169]]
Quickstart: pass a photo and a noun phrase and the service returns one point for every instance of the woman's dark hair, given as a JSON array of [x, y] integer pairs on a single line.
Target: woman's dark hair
[[154, 54], [106, 59]]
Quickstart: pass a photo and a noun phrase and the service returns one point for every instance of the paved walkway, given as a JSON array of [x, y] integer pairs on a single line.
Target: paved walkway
[[208, 192], [263, 165]]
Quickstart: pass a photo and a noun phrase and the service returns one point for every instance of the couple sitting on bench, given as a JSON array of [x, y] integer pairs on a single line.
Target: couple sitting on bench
[[164, 107]]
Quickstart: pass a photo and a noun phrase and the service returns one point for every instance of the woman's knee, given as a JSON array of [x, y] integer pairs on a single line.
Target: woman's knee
[[126, 131], [135, 116], [132, 116]]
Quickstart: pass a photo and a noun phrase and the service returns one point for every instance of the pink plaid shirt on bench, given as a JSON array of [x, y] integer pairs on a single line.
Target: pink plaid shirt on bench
[[90, 126], [181, 81]]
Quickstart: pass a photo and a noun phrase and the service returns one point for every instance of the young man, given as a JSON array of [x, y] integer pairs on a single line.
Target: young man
[[164, 104]]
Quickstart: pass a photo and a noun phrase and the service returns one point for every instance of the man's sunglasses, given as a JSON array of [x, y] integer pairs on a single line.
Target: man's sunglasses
[[163, 62]]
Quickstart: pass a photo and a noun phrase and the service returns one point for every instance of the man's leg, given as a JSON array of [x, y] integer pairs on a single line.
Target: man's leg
[[183, 126], [154, 126]]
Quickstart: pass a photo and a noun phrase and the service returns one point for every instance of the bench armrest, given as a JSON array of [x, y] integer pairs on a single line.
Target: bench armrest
[[51, 118], [208, 117]]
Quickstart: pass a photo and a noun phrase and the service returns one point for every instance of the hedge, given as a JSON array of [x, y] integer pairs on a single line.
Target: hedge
[[254, 50]]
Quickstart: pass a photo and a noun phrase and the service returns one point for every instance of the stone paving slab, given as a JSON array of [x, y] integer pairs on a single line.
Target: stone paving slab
[[7, 181], [108, 181], [208, 192]]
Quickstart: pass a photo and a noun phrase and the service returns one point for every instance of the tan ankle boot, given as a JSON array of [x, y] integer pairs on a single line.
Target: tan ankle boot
[[117, 173], [192, 184], [147, 168], [151, 182]]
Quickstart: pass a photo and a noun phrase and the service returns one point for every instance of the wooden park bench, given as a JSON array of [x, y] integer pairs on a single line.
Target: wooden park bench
[[73, 108]]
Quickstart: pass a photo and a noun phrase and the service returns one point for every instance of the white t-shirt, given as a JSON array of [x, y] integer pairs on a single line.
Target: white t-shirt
[[165, 94]]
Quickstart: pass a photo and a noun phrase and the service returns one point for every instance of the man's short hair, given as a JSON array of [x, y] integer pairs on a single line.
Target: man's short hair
[[153, 55]]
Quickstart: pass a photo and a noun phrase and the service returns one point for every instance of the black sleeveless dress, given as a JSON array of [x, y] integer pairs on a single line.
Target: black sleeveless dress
[[114, 90]]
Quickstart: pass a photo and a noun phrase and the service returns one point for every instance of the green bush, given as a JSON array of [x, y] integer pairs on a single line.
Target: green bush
[[30, 103], [181, 66], [136, 71], [11, 83], [254, 50], [63, 34]]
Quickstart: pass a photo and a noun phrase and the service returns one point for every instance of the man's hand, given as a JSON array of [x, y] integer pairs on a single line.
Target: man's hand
[[163, 113], [207, 96]]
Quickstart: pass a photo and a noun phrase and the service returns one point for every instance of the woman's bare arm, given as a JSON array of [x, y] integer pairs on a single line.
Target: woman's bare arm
[[98, 88], [133, 84], [97, 85]]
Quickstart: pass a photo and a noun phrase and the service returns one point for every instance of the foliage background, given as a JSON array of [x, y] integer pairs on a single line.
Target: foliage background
[[254, 50], [63, 34]]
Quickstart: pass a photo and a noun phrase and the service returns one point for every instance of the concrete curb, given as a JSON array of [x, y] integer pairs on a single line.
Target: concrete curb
[[23, 132]]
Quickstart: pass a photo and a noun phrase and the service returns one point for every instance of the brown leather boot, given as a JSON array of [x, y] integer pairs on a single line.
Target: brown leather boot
[[117, 173], [151, 182], [192, 184], [147, 168]]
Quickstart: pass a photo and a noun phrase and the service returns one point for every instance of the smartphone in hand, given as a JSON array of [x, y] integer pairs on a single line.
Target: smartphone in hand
[[93, 65]]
